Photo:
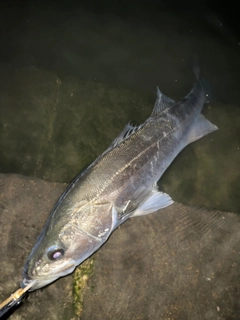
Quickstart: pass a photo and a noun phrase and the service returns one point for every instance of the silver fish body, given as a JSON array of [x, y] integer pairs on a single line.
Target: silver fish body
[[119, 184]]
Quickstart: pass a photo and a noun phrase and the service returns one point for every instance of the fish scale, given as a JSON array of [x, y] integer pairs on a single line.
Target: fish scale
[[119, 184]]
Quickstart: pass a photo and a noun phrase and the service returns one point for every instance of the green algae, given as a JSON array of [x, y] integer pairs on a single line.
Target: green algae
[[81, 277]]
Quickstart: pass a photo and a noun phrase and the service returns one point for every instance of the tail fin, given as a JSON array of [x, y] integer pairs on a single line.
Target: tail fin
[[196, 68], [206, 85]]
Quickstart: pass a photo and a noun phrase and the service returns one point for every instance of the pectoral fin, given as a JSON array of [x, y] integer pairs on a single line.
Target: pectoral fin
[[155, 201]]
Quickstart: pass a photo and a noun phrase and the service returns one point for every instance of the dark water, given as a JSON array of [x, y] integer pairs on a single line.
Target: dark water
[[72, 75]]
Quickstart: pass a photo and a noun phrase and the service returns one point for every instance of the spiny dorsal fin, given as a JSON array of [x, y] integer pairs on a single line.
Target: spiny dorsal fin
[[126, 133], [162, 103]]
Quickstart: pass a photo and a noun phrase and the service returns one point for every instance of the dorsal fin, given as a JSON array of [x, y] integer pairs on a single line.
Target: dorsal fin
[[162, 103], [126, 133]]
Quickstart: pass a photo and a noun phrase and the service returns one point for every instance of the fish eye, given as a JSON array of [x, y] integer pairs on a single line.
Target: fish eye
[[55, 253]]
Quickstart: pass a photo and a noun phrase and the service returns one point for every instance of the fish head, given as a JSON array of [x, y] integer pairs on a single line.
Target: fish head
[[63, 244], [54, 258]]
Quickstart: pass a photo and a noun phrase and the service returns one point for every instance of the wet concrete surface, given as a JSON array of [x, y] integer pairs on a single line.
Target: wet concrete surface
[[52, 129], [179, 263], [25, 204]]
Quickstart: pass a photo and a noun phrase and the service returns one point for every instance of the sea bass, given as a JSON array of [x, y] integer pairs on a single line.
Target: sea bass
[[119, 184]]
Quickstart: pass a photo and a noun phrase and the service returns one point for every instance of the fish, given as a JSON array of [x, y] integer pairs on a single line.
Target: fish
[[120, 184]]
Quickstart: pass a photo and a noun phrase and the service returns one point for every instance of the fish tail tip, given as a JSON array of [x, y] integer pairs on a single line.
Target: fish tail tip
[[209, 95], [159, 93], [195, 67]]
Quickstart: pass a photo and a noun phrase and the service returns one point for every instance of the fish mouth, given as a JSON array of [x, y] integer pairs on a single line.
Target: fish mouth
[[31, 285], [39, 282], [27, 284]]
